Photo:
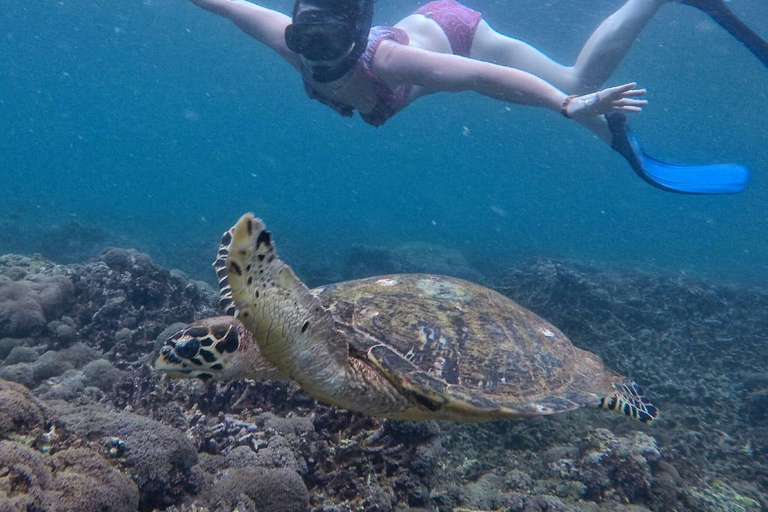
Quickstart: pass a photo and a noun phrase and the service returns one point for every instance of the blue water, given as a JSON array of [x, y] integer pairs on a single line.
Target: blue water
[[162, 123]]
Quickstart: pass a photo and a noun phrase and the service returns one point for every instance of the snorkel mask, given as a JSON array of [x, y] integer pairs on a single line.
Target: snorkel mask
[[331, 34]]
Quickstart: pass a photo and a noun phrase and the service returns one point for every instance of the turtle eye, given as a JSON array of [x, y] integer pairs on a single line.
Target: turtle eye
[[188, 348]]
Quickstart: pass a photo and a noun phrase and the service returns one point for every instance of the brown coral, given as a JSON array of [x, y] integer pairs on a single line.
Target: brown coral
[[19, 410], [74, 480]]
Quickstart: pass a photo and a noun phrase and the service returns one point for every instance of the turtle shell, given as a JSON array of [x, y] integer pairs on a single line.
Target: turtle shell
[[459, 349]]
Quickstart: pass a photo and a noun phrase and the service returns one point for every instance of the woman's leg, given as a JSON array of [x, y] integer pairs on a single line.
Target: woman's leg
[[597, 60]]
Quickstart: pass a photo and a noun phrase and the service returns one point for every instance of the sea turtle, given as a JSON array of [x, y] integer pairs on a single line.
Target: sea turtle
[[405, 346]]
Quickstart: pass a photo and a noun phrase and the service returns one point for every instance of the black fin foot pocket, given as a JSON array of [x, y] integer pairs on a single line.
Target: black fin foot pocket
[[723, 16]]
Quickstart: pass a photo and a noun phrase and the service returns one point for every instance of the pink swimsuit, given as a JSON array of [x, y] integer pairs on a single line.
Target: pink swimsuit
[[458, 21], [459, 24]]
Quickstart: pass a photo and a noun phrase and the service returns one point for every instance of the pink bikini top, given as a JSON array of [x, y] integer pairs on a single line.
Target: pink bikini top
[[388, 102]]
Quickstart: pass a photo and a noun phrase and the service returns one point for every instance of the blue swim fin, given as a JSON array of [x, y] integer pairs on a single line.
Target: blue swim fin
[[719, 12], [685, 179]]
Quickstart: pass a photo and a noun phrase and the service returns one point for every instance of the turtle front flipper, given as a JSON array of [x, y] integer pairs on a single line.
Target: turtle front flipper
[[293, 329], [215, 348], [220, 266], [629, 400]]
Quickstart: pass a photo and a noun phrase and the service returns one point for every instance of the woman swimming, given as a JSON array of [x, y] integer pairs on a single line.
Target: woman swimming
[[445, 46]]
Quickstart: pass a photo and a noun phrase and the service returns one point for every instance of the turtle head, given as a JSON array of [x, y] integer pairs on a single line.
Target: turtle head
[[214, 348]]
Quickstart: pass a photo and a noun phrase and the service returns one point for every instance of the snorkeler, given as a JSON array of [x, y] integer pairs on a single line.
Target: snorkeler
[[445, 46]]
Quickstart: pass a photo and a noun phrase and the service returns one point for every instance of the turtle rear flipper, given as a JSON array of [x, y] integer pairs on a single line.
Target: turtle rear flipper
[[629, 400]]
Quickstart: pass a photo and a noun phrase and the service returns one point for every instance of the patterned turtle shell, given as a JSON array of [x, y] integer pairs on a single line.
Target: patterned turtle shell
[[447, 340]]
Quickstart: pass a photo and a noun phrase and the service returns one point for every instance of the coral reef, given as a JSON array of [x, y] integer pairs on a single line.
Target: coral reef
[[20, 412], [697, 346], [38, 472], [98, 418], [124, 301], [72, 480], [159, 458]]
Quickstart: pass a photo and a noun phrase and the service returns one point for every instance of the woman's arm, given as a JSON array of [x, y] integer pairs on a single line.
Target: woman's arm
[[264, 25], [398, 64]]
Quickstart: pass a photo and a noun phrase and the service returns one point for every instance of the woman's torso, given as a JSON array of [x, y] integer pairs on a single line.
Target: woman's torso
[[358, 91]]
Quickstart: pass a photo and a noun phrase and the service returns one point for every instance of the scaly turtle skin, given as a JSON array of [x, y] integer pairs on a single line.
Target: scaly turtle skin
[[407, 346]]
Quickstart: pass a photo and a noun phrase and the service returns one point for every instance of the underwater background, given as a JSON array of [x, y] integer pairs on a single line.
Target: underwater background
[[160, 123]]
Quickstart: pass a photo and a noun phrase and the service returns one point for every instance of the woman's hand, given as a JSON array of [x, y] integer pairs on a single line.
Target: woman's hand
[[622, 98]]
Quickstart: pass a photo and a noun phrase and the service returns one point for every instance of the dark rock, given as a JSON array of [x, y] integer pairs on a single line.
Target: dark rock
[[243, 457], [517, 480], [117, 259], [379, 499], [101, 374], [50, 365], [124, 301], [278, 454], [618, 466], [8, 344], [21, 355], [486, 493], [24, 479], [289, 426], [545, 503], [698, 347], [64, 334], [73, 480], [69, 386], [20, 314], [23, 373]]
